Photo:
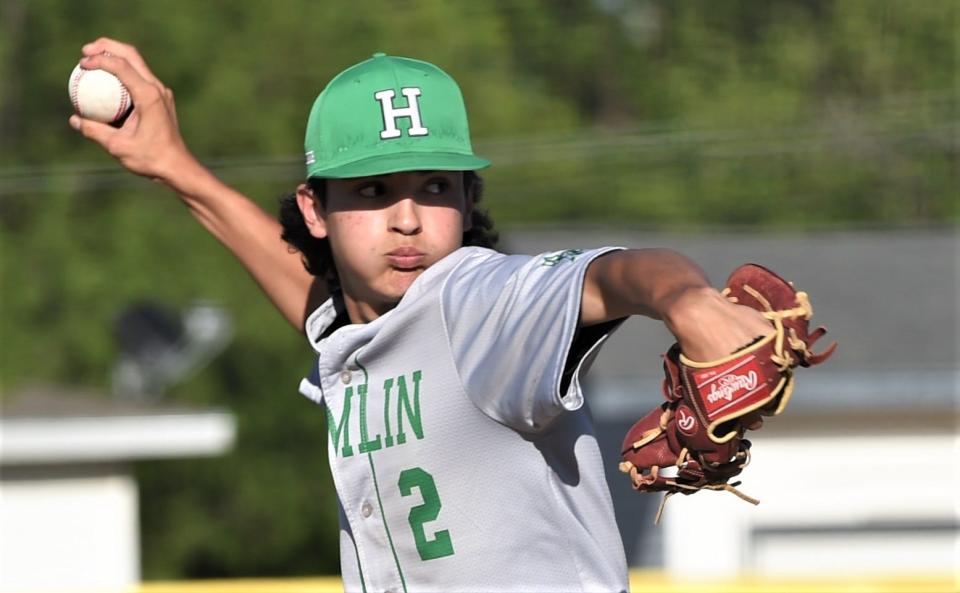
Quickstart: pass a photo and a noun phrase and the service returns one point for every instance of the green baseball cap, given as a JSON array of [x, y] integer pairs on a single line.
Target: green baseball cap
[[389, 114]]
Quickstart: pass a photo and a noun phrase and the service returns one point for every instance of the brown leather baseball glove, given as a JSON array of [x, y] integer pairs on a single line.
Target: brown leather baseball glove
[[695, 439]]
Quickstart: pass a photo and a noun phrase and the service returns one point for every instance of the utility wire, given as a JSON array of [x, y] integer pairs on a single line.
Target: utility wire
[[842, 135]]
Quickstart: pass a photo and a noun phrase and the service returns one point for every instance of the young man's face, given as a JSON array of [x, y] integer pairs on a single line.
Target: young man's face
[[386, 230]]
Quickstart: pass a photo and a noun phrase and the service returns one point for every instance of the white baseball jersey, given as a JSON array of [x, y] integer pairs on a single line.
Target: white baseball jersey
[[461, 449]]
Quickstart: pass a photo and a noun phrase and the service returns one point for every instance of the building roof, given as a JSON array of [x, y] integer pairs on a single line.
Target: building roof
[[47, 425]]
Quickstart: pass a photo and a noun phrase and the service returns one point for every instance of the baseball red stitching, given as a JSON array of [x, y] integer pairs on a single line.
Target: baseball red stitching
[[124, 96], [74, 84]]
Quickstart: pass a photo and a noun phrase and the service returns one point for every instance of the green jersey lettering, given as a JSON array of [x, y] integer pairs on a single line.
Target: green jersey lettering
[[440, 545], [412, 412], [388, 439], [551, 261], [366, 445], [343, 427]]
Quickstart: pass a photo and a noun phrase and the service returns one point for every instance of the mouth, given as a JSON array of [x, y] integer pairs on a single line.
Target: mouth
[[406, 258]]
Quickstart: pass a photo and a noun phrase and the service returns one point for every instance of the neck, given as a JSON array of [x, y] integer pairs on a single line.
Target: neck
[[364, 312]]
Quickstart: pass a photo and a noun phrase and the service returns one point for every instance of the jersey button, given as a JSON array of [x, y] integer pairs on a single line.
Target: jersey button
[[366, 510], [346, 377]]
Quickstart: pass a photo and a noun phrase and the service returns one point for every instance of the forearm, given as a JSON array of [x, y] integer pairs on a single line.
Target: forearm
[[647, 282], [252, 235], [666, 285]]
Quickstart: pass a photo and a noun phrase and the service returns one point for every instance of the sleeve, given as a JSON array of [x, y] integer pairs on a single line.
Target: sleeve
[[311, 385], [511, 323]]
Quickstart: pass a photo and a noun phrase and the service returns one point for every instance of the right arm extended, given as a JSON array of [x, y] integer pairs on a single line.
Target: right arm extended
[[149, 144]]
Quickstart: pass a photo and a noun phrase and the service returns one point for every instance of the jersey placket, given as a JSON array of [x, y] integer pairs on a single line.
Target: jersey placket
[[355, 478]]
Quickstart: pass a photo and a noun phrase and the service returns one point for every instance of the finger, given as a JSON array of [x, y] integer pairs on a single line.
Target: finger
[[140, 88], [94, 130], [105, 45]]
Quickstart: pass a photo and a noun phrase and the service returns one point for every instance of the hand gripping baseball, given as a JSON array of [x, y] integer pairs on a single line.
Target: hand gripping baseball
[[149, 141], [697, 434]]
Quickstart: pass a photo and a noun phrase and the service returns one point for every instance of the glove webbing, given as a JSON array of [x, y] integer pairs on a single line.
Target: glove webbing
[[636, 477], [728, 487], [731, 488]]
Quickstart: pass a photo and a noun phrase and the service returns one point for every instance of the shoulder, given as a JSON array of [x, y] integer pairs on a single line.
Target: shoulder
[[486, 265], [463, 259], [433, 280]]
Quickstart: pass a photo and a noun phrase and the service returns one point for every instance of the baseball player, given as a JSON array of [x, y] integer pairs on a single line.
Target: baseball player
[[460, 446]]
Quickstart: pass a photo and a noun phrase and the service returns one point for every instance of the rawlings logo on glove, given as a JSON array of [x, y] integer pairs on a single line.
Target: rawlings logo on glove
[[699, 429], [728, 386], [686, 422]]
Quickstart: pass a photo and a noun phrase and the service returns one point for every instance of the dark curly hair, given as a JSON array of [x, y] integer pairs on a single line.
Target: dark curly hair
[[316, 253]]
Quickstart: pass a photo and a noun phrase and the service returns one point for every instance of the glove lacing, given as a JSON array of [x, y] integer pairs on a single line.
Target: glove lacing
[[638, 478], [804, 309]]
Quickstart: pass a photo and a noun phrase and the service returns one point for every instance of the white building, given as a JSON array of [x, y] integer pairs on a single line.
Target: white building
[[68, 498]]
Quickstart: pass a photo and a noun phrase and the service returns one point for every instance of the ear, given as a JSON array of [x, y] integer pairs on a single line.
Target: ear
[[468, 200], [314, 215]]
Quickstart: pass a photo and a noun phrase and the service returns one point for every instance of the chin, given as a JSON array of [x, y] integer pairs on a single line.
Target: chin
[[400, 282]]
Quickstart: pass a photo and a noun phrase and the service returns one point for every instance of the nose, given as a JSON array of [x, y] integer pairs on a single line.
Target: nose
[[405, 217]]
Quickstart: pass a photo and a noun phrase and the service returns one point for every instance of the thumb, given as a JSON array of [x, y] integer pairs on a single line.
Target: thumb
[[94, 130]]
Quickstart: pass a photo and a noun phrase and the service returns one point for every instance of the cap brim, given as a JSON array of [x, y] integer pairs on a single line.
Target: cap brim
[[395, 163]]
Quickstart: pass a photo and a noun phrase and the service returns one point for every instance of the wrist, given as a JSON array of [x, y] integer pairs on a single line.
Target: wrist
[[683, 310], [708, 326], [691, 317], [182, 172]]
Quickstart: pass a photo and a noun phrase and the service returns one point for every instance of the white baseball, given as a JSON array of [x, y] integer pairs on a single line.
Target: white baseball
[[98, 95]]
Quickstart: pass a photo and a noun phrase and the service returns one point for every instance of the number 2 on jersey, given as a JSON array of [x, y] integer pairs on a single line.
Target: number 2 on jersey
[[440, 545]]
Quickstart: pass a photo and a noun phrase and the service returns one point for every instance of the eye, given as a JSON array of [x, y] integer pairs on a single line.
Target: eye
[[373, 189], [436, 186]]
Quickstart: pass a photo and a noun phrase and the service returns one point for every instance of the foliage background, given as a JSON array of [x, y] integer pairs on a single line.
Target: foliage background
[[799, 114]]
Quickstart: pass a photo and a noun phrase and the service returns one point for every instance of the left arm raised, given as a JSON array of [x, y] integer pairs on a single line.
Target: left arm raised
[[666, 285]]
